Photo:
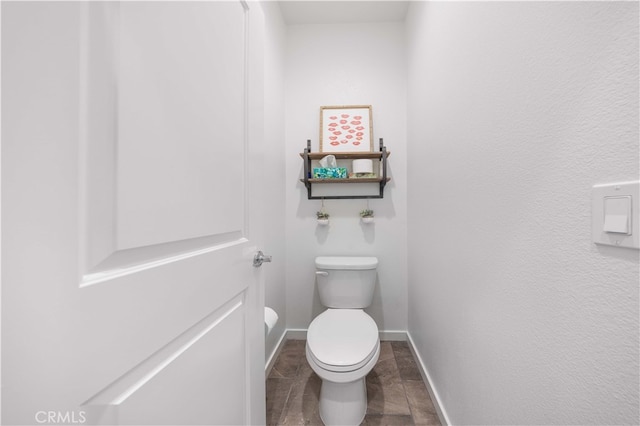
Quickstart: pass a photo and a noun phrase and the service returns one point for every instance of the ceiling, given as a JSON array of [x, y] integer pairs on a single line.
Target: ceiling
[[339, 12]]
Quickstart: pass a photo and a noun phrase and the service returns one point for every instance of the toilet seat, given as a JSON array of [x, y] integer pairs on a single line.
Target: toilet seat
[[342, 340]]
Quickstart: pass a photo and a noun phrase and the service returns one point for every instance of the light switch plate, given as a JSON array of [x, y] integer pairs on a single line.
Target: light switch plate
[[614, 197]]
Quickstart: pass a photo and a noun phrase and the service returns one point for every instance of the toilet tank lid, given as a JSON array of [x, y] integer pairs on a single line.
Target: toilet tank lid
[[346, 262]]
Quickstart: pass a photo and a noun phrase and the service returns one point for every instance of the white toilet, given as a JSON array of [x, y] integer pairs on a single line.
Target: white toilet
[[342, 342]]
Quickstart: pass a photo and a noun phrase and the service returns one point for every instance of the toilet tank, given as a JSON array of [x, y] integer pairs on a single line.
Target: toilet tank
[[346, 282]]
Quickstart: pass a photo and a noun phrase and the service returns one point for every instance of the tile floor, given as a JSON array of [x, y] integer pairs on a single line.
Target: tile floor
[[396, 393]]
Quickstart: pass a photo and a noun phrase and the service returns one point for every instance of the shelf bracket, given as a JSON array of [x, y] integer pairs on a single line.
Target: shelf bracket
[[307, 168]]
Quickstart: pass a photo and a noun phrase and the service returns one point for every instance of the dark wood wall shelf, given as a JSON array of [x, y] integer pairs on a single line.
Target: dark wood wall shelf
[[380, 155]]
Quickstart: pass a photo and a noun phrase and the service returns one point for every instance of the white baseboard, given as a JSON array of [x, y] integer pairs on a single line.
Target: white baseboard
[[274, 354], [393, 336], [426, 378], [296, 334]]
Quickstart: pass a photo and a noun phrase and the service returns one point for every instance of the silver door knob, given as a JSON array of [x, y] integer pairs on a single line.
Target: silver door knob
[[259, 258]]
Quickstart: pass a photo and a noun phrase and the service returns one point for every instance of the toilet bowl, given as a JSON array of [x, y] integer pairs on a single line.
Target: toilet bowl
[[342, 348]]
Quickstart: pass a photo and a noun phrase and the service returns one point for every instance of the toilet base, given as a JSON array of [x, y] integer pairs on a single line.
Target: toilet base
[[343, 403]]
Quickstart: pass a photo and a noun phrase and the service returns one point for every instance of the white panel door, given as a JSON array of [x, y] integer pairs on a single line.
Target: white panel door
[[130, 134]]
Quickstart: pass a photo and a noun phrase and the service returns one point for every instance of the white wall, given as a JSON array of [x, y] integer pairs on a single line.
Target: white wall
[[274, 170], [346, 64], [515, 110]]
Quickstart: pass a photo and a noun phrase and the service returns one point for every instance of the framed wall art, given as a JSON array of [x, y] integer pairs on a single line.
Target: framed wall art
[[346, 128]]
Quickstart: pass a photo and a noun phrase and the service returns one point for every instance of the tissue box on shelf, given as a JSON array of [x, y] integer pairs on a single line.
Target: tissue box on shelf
[[330, 172]]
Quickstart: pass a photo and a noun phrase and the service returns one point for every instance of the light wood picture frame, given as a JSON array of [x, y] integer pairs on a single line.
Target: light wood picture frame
[[347, 128]]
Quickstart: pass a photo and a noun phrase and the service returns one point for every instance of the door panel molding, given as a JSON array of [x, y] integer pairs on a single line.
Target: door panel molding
[[195, 359], [131, 261], [125, 172], [121, 389], [170, 123]]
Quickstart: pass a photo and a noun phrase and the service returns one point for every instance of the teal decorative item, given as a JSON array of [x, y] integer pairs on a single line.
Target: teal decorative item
[[330, 172]]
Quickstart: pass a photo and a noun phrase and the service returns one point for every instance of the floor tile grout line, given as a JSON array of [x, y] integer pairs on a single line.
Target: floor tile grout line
[[295, 377], [395, 358], [285, 406], [413, 419]]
